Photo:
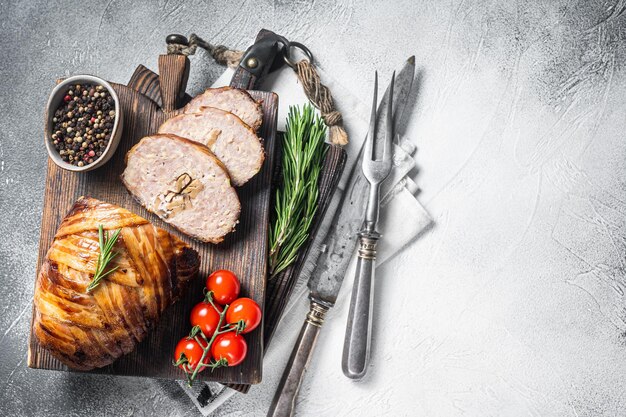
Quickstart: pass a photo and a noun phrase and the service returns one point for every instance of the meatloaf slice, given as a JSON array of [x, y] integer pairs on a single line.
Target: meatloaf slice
[[231, 140], [233, 100], [182, 182]]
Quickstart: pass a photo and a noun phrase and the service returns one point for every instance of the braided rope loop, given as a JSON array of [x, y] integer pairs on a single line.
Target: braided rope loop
[[322, 98]]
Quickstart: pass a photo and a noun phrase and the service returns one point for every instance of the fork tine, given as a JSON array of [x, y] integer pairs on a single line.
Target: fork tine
[[389, 133], [371, 134]]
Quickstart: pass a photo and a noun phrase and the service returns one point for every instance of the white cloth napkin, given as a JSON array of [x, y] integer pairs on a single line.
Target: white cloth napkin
[[402, 219]]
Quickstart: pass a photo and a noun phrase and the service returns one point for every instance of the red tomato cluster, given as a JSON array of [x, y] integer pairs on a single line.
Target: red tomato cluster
[[228, 347]]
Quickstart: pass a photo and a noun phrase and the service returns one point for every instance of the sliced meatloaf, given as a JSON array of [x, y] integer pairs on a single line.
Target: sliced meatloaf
[[182, 182], [231, 140], [233, 100]]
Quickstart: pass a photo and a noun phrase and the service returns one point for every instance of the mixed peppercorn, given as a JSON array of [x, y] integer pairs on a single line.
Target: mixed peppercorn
[[83, 124]]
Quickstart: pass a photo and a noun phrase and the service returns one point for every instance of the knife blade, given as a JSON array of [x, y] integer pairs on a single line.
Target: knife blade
[[329, 260]]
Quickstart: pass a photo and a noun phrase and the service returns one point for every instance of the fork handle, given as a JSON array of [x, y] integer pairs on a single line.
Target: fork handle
[[356, 347]]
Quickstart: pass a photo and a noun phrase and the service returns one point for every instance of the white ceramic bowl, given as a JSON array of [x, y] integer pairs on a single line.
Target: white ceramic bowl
[[55, 100]]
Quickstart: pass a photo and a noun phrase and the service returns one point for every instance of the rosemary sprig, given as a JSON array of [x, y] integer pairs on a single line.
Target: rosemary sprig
[[296, 198], [105, 257]]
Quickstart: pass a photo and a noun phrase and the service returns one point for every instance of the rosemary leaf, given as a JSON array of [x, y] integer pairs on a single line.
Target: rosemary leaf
[[296, 198], [105, 257]]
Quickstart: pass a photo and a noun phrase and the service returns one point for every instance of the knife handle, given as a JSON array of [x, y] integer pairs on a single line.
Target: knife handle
[[356, 346], [284, 402], [258, 60]]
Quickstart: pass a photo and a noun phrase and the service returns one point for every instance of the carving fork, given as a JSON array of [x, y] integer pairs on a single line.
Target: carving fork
[[356, 348]]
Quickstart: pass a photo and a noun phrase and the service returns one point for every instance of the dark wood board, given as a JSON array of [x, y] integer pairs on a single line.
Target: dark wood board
[[244, 252], [279, 288]]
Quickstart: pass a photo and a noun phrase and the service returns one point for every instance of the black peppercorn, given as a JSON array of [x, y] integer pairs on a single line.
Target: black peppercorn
[[83, 123]]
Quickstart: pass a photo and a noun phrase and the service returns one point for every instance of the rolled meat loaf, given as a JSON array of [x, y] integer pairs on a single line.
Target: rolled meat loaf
[[182, 182], [230, 139], [91, 329], [233, 100]]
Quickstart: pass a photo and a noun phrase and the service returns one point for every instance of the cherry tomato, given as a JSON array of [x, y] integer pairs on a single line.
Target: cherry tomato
[[225, 286], [193, 352], [229, 346], [205, 316], [245, 309]]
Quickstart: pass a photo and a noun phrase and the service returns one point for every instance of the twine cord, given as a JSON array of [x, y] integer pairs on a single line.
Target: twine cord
[[319, 95], [220, 53]]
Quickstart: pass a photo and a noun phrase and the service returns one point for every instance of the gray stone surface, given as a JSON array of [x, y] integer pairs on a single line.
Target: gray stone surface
[[516, 298]]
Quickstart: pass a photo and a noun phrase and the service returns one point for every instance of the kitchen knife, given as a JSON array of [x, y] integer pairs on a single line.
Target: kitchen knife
[[328, 261]]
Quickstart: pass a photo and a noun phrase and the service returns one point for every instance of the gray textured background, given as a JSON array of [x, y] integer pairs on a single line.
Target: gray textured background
[[516, 299]]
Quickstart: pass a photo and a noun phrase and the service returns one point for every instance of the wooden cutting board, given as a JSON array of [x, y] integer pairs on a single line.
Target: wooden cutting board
[[280, 287], [244, 252]]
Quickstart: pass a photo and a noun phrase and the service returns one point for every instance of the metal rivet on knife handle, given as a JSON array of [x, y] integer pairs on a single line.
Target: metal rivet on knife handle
[[252, 62]]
